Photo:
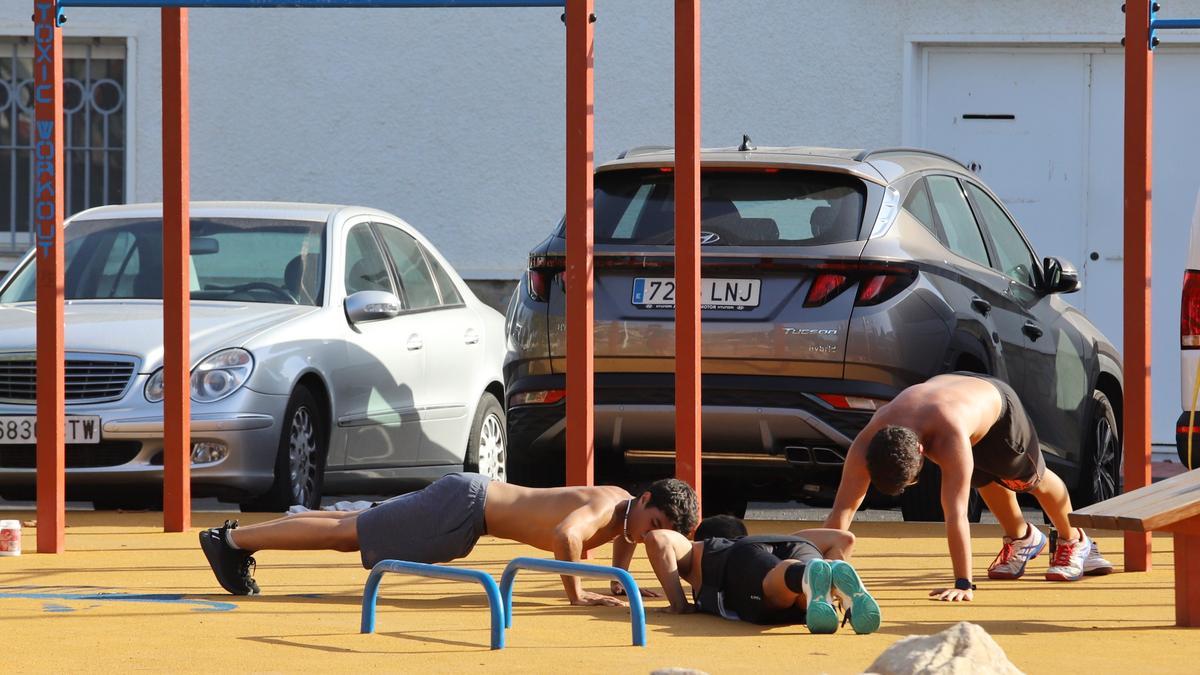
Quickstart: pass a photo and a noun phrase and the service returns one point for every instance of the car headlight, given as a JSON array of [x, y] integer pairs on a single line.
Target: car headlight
[[213, 379]]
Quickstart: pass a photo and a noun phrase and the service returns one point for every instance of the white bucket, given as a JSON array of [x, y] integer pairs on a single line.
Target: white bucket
[[10, 537]]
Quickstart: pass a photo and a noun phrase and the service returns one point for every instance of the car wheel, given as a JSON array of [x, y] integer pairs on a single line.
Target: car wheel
[[1100, 470], [487, 446], [300, 459], [923, 501]]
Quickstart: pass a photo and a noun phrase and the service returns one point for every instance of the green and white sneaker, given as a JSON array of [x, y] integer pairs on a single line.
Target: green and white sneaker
[[861, 609], [821, 617]]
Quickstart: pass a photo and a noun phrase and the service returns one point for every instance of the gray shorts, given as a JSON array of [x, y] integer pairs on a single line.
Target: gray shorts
[[437, 524]]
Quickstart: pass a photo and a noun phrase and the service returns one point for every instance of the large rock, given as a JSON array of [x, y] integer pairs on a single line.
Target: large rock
[[962, 649]]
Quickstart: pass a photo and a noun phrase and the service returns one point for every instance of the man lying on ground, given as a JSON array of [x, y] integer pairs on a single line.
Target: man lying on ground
[[763, 579], [974, 428], [444, 521]]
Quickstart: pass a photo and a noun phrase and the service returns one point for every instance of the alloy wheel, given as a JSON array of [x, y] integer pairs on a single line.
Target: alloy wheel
[[302, 460], [491, 448], [1104, 479]]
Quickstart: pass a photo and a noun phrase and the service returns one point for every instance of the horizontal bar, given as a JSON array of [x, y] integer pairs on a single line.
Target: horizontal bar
[[371, 591], [1158, 24], [311, 4], [575, 569]]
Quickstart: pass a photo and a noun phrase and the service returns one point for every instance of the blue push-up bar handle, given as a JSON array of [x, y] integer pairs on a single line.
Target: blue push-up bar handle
[[249, 4], [575, 569], [371, 591]]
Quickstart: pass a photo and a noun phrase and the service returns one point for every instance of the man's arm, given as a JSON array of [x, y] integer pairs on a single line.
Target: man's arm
[[956, 494], [576, 528], [665, 548], [855, 481], [622, 556]]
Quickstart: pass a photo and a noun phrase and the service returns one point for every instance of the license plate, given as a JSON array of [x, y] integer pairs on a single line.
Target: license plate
[[23, 429], [731, 294]]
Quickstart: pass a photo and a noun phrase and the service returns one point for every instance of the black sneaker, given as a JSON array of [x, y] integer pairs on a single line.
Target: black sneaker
[[231, 566]]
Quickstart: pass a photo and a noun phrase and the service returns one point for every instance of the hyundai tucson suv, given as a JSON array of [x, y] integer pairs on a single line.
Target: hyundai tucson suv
[[832, 280]]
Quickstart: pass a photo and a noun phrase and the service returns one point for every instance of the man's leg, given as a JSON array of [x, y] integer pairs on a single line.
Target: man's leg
[[1022, 540], [1051, 493], [776, 593], [833, 544], [1002, 502], [315, 530]]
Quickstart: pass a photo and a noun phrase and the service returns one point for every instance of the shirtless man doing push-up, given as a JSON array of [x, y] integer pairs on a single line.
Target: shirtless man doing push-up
[[444, 521]]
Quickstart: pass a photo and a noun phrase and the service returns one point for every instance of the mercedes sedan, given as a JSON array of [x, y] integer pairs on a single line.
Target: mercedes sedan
[[333, 350]]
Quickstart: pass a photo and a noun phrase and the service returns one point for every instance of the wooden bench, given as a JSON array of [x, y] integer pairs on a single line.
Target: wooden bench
[[1172, 505]]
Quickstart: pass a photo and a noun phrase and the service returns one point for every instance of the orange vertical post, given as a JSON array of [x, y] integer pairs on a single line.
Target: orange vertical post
[[687, 242], [580, 160], [177, 488], [1187, 581], [1139, 84], [48, 239]]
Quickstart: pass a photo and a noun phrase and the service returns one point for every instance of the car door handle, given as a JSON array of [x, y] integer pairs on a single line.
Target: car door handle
[[471, 337], [982, 306], [1031, 329], [414, 343]]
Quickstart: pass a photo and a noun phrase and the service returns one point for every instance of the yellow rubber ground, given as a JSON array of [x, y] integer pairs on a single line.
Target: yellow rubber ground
[[127, 597]]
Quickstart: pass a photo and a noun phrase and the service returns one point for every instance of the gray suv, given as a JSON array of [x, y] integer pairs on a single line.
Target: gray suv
[[832, 279]]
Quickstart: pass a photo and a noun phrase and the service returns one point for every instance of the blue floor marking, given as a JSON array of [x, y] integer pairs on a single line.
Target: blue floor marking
[[167, 598]]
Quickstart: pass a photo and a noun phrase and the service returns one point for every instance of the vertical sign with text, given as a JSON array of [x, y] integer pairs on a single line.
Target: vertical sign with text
[[48, 239]]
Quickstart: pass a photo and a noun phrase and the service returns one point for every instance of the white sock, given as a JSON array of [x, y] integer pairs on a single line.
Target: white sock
[[229, 539]]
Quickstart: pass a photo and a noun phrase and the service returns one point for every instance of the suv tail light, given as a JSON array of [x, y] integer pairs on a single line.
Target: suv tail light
[[539, 397], [1189, 311], [542, 271], [877, 282], [825, 287]]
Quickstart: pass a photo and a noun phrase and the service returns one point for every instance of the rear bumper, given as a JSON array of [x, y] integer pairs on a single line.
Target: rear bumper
[[751, 425]]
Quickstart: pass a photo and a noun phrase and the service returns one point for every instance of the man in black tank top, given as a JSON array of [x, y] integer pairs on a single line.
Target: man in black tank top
[[975, 429], [765, 579]]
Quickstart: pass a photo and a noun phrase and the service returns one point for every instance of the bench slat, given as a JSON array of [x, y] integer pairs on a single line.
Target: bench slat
[[1147, 508]]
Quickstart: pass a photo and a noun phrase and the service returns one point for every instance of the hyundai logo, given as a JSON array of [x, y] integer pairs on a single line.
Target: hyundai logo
[[709, 238]]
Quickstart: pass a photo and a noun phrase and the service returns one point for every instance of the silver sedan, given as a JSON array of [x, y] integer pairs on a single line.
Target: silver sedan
[[334, 350]]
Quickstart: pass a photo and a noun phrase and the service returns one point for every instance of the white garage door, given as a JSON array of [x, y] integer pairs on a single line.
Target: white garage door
[[1043, 127]]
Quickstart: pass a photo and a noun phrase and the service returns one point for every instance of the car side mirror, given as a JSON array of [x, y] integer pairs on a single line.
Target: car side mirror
[[1059, 276], [366, 306]]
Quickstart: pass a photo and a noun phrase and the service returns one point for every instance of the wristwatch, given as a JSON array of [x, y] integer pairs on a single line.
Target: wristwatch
[[964, 584]]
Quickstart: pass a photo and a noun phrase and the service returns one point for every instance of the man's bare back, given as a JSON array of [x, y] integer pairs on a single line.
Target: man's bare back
[[944, 405], [532, 515]]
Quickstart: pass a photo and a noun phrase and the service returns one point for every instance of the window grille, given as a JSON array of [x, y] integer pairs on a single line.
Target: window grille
[[94, 110]]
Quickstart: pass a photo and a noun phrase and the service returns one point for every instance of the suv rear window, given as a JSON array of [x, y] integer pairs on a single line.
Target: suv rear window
[[772, 207]]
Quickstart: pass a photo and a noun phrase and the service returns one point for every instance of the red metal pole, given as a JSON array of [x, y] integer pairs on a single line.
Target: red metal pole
[[177, 489], [580, 159], [48, 226], [687, 242], [1139, 89]]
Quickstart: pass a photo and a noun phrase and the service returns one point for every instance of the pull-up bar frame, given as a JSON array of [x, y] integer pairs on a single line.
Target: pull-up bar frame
[[48, 220], [1141, 22]]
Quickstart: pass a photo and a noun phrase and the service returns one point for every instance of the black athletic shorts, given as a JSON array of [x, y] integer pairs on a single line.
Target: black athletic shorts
[[734, 571], [1009, 454]]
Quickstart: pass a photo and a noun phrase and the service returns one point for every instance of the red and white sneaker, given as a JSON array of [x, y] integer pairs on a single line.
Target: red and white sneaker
[[1016, 553], [1094, 565], [1069, 558]]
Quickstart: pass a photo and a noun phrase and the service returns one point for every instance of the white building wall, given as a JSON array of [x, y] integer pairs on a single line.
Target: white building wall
[[453, 119]]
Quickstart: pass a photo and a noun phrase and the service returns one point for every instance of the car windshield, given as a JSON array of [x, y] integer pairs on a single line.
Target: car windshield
[[234, 259], [758, 207]]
